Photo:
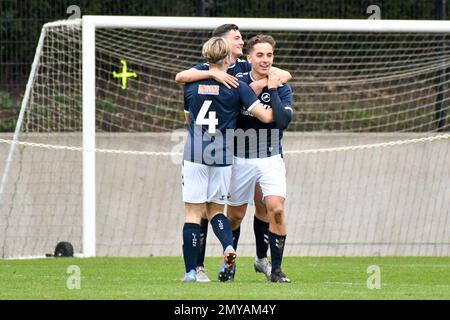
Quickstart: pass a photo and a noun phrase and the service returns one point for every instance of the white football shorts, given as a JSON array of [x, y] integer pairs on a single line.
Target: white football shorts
[[202, 183], [269, 172]]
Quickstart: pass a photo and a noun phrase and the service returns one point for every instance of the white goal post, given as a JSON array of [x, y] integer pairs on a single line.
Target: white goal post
[[91, 24]]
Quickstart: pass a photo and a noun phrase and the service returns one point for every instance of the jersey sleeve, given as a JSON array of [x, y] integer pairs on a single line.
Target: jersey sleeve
[[285, 93], [201, 67], [248, 98], [187, 95], [243, 77], [281, 101]]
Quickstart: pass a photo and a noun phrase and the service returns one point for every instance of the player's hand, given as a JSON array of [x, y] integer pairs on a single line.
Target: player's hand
[[227, 79], [258, 85], [273, 80]]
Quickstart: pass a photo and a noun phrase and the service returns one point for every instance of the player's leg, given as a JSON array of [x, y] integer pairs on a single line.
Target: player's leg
[[194, 180], [201, 271], [191, 233], [241, 191], [235, 214], [218, 185], [277, 235], [273, 186], [222, 229], [220, 224], [261, 230]]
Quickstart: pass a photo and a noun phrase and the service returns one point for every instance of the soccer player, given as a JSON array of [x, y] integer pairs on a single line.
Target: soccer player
[[259, 160], [211, 111], [231, 33]]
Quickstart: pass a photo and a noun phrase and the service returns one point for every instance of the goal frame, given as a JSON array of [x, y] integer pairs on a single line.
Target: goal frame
[[91, 23]]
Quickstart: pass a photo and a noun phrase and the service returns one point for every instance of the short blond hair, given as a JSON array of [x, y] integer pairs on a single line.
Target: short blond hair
[[215, 50]]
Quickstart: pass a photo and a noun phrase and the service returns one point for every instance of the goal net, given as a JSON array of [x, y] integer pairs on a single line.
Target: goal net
[[367, 153]]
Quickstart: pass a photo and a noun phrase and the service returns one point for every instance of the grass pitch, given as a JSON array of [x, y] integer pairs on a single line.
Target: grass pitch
[[158, 278]]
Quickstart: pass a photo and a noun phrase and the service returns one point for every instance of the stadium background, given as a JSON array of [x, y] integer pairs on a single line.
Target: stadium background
[[21, 22]]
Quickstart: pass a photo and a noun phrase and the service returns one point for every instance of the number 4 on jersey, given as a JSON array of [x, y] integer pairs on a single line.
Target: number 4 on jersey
[[211, 121]]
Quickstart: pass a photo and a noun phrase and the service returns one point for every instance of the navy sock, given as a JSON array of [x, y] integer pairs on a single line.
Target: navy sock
[[276, 249], [236, 234], [261, 230], [202, 250], [191, 232], [222, 230]]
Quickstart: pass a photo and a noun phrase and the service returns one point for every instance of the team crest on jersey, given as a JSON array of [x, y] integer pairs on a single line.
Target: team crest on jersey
[[208, 89], [265, 97]]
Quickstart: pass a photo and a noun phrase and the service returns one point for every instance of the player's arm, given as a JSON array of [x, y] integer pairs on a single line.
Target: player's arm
[[282, 110], [262, 113], [251, 103], [284, 75], [187, 97], [192, 75]]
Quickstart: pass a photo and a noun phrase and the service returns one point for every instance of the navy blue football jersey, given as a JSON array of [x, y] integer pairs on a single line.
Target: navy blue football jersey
[[258, 139], [213, 109], [238, 68]]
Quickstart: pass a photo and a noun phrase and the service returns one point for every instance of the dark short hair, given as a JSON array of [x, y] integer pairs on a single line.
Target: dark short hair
[[260, 38], [220, 31]]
